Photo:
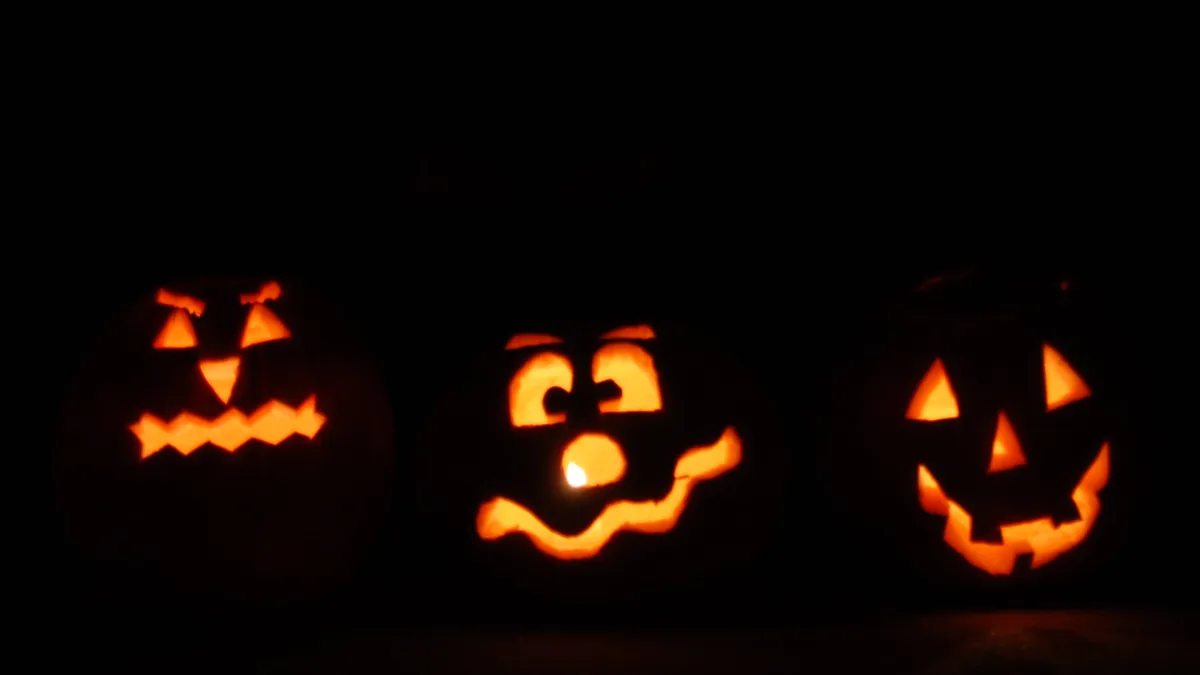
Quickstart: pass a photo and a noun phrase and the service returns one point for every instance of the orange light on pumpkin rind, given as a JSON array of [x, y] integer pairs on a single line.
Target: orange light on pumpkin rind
[[179, 301], [523, 340], [630, 333], [271, 423], [502, 516], [1039, 537], [268, 291]]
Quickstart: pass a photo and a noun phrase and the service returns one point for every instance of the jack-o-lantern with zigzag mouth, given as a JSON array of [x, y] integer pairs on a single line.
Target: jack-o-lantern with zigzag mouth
[[226, 436]]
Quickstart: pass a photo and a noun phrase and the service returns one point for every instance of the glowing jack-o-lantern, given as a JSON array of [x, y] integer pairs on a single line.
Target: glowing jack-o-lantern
[[271, 423], [594, 463], [623, 381], [226, 437], [935, 401]]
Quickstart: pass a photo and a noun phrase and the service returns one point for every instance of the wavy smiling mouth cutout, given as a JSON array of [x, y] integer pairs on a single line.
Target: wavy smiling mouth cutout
[[501, 516]]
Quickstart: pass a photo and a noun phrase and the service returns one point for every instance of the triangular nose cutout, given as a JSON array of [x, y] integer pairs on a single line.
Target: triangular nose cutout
[[221, 376], [1006, 449]]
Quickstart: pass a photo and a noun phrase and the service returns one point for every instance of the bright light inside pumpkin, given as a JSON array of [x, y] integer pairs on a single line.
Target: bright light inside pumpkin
[[576, 477], [592, 460]]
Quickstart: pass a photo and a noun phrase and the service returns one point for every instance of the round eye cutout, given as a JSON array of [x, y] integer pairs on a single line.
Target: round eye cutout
[[528, 388], [631, 368], [935, 400]]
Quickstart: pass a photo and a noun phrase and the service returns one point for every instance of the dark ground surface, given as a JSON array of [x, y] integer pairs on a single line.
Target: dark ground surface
[[1044, 642]]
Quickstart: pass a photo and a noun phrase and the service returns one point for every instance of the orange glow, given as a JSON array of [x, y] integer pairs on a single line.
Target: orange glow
[[1063, 384], [178, 301], [522, 340], [597, 460], [271, 423], [1039, 537], [934, 399], [630, 333], [501, 516], [263, 326], [1006, 449], [527, 390], [177, 333], [269, 291], [221, 376], [632, 368]]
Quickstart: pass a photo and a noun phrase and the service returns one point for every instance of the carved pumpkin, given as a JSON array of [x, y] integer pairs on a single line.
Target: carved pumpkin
[[226, 438], [1039, 536], [992, 448], [625, 381], [601, 459]]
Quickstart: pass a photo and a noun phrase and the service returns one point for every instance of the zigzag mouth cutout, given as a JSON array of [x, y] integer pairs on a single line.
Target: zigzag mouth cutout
[[271, 423]]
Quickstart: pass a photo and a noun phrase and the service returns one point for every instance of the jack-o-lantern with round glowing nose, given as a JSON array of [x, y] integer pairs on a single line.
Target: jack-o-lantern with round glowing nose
[[608, 452], [625, 381], [226, 438]]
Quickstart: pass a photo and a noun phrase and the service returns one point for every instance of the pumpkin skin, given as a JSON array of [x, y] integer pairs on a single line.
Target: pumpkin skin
[[988, 396], [474, 452], [256, 510]]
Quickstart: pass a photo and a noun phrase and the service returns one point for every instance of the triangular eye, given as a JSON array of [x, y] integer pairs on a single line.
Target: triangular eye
[[263, 326], [934, 399], [177, 333], [1063, 384]]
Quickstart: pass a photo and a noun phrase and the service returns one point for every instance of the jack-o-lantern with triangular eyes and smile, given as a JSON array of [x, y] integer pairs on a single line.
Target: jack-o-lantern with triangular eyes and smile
[[604, 457], [1039, 536], [979, 452], [999, 432], [226, 437]]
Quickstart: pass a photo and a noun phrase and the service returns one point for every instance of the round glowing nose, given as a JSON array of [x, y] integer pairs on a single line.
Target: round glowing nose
[[592, 460]]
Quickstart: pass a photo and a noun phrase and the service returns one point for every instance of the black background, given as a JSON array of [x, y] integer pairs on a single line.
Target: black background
[[794, 249]]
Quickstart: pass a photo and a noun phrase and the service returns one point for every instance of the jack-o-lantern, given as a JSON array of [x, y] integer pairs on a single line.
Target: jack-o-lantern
[[226, 439], [1041, 536], [624, 380], [979, 442], [602, 459]]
